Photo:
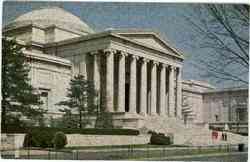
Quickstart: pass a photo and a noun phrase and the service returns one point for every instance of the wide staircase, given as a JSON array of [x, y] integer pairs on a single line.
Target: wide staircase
[[192, 135]]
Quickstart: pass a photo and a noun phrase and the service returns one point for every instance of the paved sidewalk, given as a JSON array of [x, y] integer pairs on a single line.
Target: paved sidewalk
[[192, 156]]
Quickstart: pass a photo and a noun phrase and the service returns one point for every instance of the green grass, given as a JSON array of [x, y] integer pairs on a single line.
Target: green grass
[[120, 146], [141, 154], [179, 153]]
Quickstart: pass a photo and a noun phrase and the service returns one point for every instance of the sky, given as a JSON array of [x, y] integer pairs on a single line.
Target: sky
[[168, 19]]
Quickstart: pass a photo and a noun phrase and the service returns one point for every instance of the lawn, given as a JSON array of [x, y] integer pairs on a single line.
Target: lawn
[[121, 146]]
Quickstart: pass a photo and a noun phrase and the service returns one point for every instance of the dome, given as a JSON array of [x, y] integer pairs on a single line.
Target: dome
[[52, 16]]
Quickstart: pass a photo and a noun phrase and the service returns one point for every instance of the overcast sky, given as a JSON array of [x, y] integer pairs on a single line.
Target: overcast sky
[[168, 19]]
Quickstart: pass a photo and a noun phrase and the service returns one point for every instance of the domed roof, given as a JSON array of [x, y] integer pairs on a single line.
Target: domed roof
[[52, 16]]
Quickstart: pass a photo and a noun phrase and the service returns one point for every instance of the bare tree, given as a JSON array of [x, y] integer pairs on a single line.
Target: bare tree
[[223, 30]]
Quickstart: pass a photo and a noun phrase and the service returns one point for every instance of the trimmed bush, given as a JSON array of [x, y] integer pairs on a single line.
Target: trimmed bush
[[159, 139], [37, 138], [29, 141], [151, 132], [93, 131], [59, 140], [45, 139]]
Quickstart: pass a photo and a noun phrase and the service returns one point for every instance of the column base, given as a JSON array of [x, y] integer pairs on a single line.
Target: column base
[[143, 114], [154, 115], [132, 120], [131, 115], [163, 115]]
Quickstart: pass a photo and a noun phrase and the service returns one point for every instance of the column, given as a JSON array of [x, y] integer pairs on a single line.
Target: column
[[96, 76], [171, 104], [143, 95], [82, 66], [163, 90], [132, 86], [153, 89], [121, 79], [109, 80], [179, 94]]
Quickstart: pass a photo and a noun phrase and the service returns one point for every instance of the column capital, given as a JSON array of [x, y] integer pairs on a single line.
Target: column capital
[[122, 53], [93, 53], [155, 62], [144, 59], [134, 57], [171, 67], [163, 65], [109, 51]]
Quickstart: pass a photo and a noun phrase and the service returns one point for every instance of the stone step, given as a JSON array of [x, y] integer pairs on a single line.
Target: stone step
[[190, 135]]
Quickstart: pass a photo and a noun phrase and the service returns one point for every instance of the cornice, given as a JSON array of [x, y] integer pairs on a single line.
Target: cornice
[[48, 58], [31, 25], [103, 35]]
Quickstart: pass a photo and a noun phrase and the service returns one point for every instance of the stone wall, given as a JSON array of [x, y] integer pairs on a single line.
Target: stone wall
[[100, 140], [223, 106], [11, 141], [193, 91], [51, 75]]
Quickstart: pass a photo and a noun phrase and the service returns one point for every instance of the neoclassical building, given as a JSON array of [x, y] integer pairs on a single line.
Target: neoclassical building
[[136, 73]]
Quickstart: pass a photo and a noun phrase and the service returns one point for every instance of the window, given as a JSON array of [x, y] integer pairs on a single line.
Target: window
[[45, 100], [217, 118], [241, 114]]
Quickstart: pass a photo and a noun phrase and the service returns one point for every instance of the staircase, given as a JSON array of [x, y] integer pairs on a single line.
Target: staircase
[[192, 135]]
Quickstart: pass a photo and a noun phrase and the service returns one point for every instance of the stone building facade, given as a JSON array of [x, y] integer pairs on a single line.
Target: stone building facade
[[204, 104], [226, 106], [136, 72]]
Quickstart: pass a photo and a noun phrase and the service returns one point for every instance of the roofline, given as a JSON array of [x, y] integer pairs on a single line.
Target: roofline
[[198, 83], [192, 91], [48, 58], [226, 90], [105, 34], [7, 29], [147, 46], [149, 31]]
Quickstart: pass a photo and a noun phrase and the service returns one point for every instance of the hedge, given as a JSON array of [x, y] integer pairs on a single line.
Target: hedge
[[38, 138], [59, 140], [91, 131], [159, 139]]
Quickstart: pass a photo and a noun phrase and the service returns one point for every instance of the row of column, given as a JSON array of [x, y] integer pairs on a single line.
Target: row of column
[[173, 106]]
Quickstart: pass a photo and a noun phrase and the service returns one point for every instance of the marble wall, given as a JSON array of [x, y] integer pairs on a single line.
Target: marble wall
[[51, 77], [226, 106]]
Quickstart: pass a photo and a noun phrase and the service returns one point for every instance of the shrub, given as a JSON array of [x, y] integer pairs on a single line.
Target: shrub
[[37, 138], [45, 138], [29, 141], [59, 140], [52, 131], [159, 139], [151, 132]]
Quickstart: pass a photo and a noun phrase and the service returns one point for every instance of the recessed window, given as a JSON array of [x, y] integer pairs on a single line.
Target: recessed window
[[241, 114], [217, 118], [45, 100]]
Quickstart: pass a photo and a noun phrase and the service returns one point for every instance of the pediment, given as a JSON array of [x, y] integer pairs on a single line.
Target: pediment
[[152, 40]]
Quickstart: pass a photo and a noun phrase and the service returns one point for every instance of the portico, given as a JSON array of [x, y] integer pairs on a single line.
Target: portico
[[136, 84], [136, 73]]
